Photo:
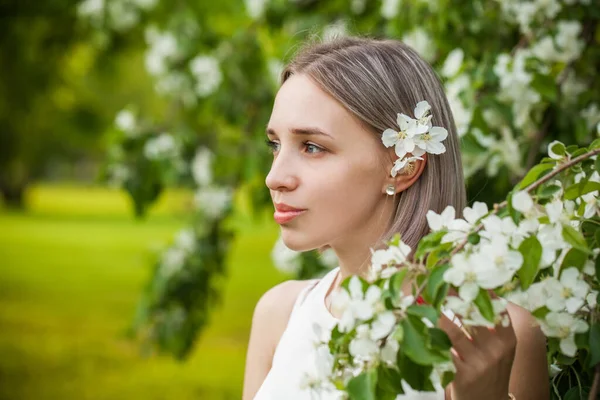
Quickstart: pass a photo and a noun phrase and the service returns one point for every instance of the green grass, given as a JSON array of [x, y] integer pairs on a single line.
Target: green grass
[[71, 271]]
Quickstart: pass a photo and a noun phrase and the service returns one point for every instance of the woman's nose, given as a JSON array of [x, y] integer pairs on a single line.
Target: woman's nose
[[282, 176]]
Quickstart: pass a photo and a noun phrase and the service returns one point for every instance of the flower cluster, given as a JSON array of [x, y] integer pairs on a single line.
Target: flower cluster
[[539, 249], [416, 136]]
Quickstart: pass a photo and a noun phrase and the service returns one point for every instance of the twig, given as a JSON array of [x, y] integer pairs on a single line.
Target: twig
[[595, 384], [531, 187]]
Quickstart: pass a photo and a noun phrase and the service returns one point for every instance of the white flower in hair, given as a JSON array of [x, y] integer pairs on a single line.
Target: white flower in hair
[[431, 141], [423, 115], [402, 139], [416, 136], [401, 163]]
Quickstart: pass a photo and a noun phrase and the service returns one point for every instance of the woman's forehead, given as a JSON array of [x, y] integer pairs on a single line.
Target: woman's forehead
[[301, 103]]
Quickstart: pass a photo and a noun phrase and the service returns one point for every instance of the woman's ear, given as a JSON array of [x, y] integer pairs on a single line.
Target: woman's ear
[[407, 175]]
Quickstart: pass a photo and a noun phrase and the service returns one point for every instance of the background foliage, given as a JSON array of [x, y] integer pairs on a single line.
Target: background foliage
[[189, 86]]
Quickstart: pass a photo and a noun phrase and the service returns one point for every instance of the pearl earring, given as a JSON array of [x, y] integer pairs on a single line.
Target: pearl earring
[[390, 190]]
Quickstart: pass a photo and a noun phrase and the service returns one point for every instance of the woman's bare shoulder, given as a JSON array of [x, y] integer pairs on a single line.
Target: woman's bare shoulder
[[279, 300], [270, 319]]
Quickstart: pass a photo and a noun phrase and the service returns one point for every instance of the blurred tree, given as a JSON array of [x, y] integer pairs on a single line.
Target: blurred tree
[[61, 89], [519, 74], [34, 40]]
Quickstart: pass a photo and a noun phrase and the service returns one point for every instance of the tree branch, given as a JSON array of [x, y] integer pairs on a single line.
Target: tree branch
[[595, 384]]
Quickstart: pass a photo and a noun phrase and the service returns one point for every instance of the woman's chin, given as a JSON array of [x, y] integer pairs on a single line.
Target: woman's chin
[[297, 242]]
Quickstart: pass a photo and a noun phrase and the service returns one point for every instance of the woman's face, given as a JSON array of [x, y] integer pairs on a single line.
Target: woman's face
[[326, 164]]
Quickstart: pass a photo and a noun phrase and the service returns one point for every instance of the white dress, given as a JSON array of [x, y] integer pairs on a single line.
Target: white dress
[[296, 353]]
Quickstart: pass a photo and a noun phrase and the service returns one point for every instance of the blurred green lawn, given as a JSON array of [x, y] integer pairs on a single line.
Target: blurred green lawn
[[71, 271]]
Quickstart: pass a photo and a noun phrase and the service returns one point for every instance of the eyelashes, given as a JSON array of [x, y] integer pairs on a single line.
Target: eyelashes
[[310, 148], [273, 146]]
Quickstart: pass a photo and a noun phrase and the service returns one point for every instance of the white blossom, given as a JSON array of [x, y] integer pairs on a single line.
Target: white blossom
[[400, 163], [572, 87], [473, 214], [431, 141], [161, 147], [390, 8], [207, 73], [362, 345], [125, 121], [91, 8], [162, 49], [255, 8], [592, 299], [422, 43], [123, 15], [453, 63], [522, 201], [383, 325], [568, 292], [563, 326], [284, 258], [389, 351], [186, 240], [329, 258], [440, 221], [172, 261], [354, 305], [591, 114], [550, 237], [213, 201], [201, 166]]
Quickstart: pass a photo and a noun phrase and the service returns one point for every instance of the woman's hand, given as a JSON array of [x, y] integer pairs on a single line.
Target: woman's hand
[[483, 361]]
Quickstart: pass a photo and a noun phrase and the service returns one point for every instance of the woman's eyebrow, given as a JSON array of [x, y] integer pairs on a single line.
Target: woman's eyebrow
[[302, 131]]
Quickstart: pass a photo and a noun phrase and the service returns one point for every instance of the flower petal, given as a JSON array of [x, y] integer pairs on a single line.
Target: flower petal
[[389, 137], [421, 109]]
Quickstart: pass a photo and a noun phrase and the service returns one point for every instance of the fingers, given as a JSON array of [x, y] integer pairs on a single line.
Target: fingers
[[461, 343]]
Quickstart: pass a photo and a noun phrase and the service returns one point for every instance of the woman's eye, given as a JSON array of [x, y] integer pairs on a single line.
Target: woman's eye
[[312, 148], [274, 146]]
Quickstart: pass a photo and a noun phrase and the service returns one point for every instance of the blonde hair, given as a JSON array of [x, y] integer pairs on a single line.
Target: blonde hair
[[375, 80]]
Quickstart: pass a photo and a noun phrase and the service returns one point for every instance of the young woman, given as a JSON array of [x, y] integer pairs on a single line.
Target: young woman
[[332, 185]]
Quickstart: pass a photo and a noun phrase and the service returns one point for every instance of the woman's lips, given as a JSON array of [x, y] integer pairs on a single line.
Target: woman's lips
[[281, 217]]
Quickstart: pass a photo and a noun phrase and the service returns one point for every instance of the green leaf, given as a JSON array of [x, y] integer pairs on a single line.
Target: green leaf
[[575, 393], [595, 145], [447, 378], [574, 258], [417, 376], [396, 283], [483, 301], [579, 189], [436, 281], [594, 345], [575, 238], [362, 387], [428, 243], [531, 249], [559, 149], [545, 85], [597, 163], [541, 312], [597, 268], [398, 333], [389, 382], [415, 343], [546, 192], [439, 339], [423, 311]]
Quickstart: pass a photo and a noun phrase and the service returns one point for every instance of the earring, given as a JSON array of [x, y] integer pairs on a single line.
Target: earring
[[390, 190]]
